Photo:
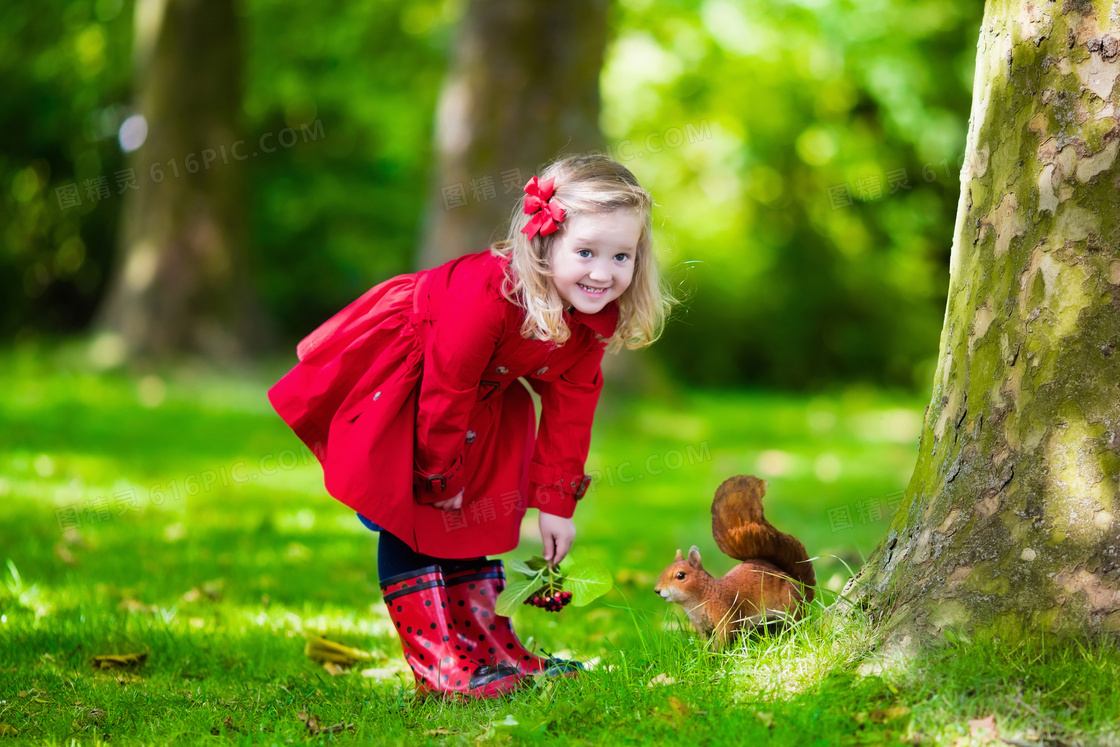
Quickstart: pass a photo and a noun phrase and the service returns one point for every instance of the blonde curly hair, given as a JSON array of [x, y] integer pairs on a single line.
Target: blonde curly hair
[[584, 185]]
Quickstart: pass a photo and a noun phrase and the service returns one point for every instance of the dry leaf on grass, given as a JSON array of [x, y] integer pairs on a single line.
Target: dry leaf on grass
[[212, 590], [7, 731], [767, 719], [314, 728], [63, 553], [661, 679], [324, 651], [882, 715], [983, 727], [228, 723], [679, 706], [135, 605], [119, 661], [679, 711]]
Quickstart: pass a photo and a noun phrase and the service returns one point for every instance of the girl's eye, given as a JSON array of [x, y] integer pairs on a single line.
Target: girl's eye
[[621, 257], [585, 253]]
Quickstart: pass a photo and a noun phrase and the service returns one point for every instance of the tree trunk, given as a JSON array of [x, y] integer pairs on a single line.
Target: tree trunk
[[180, 282], [522, 89], [1009, 525]]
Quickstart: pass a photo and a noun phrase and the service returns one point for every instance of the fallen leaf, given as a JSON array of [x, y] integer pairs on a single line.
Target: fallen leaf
[[334, 669], [74, 537], [314, 727], [135, 605], [119, 661], [441, 732], [213, 589], [678, 706], [128, 679], [882, 715], [661, 679], [983, 727], [767, 719], [678, 711], [322, 650], [7, 731], [64, 554]]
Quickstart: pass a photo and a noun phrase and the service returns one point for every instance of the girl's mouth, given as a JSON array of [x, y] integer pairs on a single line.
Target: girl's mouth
[[592, 291]]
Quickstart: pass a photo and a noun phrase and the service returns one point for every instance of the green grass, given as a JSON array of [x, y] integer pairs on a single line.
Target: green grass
[[220, 582]]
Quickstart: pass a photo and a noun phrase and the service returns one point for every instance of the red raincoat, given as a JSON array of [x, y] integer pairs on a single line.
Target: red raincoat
[[411, 393]]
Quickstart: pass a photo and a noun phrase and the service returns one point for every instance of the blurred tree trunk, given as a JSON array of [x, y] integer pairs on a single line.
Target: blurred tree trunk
[[180, 282], [523, 88], [1010, 521]]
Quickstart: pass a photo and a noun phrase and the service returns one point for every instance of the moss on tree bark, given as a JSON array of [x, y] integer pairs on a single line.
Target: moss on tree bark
[[1010, 521]]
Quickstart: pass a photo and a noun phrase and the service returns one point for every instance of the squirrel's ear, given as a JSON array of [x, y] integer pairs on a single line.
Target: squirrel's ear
[[680, 556], [694, 558]]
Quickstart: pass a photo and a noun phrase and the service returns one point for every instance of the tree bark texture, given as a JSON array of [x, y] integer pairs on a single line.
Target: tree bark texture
[[1010, 521], [522, 89], [180, 281]]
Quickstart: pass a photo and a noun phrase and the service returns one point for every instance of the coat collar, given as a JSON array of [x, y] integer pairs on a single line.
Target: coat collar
[[604, 322]]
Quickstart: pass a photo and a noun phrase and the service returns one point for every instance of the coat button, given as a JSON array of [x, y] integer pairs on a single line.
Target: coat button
[[542, 370], [471, 436], [502, 370]]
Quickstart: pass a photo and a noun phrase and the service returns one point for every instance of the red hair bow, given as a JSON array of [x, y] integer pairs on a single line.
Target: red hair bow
[[548, 215]]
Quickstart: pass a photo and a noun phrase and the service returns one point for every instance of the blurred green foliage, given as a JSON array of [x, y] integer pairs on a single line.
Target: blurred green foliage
[[812, 105], [750, 122]]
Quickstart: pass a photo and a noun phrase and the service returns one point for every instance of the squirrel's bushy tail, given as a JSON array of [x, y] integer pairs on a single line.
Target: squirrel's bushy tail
[[742, 532]]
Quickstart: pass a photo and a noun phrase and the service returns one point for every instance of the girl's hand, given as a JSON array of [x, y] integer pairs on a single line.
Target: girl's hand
[[451, 504], [557, 534]]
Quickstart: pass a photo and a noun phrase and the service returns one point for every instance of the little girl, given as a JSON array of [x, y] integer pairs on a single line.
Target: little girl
[[411, 397]]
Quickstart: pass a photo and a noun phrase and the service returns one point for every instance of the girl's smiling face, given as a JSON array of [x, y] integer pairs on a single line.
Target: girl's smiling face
[[592, 260]]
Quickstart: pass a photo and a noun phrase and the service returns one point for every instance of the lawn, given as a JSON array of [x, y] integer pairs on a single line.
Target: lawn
[[173, 515]]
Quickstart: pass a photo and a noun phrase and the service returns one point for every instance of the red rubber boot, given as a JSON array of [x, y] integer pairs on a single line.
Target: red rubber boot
[[418, 607], [472, 592]]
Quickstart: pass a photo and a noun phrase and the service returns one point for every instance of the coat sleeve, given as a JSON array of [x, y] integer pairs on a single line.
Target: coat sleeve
[[459, 346], [564, 438]]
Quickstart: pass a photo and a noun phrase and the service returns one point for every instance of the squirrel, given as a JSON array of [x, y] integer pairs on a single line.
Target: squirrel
[[773, 583]]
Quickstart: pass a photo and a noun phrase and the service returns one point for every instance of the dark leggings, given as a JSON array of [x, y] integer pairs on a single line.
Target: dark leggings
[[395, 557]]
